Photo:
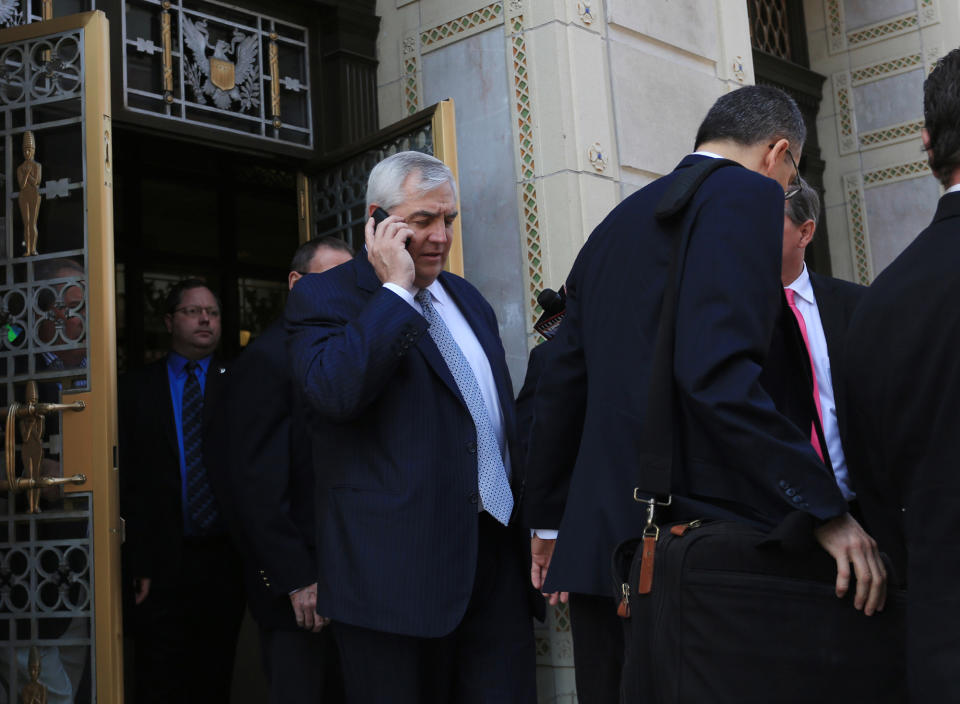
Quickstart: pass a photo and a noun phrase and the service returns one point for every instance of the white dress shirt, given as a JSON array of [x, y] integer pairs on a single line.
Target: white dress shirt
[[467, 340], [953, 189], [807, 305]]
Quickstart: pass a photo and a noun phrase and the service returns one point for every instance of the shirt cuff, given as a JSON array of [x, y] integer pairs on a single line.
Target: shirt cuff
[[404, 294], [544, 533]]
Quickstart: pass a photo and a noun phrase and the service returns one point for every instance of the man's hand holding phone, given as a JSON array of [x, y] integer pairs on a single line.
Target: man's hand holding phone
[[387, 238]]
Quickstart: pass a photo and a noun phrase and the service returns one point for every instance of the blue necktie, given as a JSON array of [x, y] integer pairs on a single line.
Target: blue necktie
[[201, 506], [494, 487]]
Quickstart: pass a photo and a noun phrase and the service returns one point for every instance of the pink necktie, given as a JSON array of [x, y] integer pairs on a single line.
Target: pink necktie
[[814, 440]]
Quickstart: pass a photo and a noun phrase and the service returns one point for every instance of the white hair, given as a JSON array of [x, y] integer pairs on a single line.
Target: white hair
[[386, 182]]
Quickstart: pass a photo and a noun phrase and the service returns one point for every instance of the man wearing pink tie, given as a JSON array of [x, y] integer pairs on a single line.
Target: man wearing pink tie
[[822, 306]]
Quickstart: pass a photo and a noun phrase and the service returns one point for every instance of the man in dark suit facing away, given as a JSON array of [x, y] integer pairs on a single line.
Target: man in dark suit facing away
[[824, 305], [902, 369], [420, 557], [743, 460], [184, 570], [263, 479]]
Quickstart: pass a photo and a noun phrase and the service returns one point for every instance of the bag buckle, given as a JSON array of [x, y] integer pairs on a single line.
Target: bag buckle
[[651, 530]]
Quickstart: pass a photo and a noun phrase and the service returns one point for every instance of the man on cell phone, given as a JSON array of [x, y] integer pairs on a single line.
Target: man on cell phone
[[420, 557]]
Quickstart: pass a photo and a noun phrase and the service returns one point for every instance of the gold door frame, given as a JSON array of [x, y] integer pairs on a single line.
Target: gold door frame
[[90, 438], [445, 149]]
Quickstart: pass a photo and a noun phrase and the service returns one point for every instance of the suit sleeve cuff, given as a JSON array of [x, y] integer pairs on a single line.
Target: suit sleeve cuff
[[403, 293]]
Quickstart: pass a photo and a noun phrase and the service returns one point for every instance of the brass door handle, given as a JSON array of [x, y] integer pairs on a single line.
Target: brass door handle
[[22, 483], [32, 416]]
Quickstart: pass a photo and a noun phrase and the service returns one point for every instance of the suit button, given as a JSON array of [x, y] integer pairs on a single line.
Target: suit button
[[472, 447], [798, 499], [791, 492], [473, 498], [783, 484]]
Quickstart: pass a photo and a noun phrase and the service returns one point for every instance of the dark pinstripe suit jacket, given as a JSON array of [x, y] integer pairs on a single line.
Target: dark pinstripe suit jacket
[[394, 448]]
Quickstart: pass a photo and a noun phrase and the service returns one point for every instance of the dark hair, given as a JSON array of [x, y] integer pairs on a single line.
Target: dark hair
[[941, 115], [175, 295], [754, 114], [305, 252], [804, 206]]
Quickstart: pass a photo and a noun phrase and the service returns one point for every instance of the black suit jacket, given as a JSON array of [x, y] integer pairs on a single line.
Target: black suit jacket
[[150, 482], [395, 449], [902, 370], [740, 457], [261, 470]]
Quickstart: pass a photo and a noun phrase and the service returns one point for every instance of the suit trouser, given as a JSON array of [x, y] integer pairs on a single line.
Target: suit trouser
[[185, 631], [597, 648], [487, 659], [301, 666]]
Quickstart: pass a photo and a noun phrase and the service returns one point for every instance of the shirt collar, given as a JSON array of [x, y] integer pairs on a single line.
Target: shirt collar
[[439, 295], [709, 154], [176, 363], [953, 189], [802, 286]]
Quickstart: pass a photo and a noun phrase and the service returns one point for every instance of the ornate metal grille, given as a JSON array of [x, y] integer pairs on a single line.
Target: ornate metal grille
[[46, 589], [46, 597], [339, 193], [17, 12], [770, 27], [43, 295], [215, 65]]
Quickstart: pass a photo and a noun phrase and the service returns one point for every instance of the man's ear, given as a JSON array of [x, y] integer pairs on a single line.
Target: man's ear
[[774, 156], [168, 321], [806, 232], [292, 278]]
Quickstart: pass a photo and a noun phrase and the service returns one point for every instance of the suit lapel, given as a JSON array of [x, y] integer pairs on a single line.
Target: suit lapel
[[428, 348], [161, 385], [833, 316], [367, 281], [216, 376], [488, 340]]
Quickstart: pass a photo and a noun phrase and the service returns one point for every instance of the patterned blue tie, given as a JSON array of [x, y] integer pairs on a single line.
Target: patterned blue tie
[[495, 494], [201, 506]]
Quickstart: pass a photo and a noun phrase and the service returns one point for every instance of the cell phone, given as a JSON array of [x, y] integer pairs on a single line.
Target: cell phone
[[379, 215]]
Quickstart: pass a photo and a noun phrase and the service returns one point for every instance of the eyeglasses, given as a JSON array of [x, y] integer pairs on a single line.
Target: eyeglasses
[[795, 187], [196, 311]]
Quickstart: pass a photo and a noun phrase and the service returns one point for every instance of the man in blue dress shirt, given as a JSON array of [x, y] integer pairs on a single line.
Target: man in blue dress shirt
[[185, 574]]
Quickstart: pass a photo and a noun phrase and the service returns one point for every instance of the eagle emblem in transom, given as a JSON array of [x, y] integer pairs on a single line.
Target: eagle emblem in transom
[[229, 75]]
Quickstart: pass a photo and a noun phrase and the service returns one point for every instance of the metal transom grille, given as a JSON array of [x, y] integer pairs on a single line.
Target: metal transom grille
[[215, 65], [770, 27], [340, 193]]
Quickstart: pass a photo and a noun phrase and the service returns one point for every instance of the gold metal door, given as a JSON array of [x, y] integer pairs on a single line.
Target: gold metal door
[[60, 531]]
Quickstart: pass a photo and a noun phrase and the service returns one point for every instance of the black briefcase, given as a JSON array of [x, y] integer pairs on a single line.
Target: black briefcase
[[727, 619], [715, 611]]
